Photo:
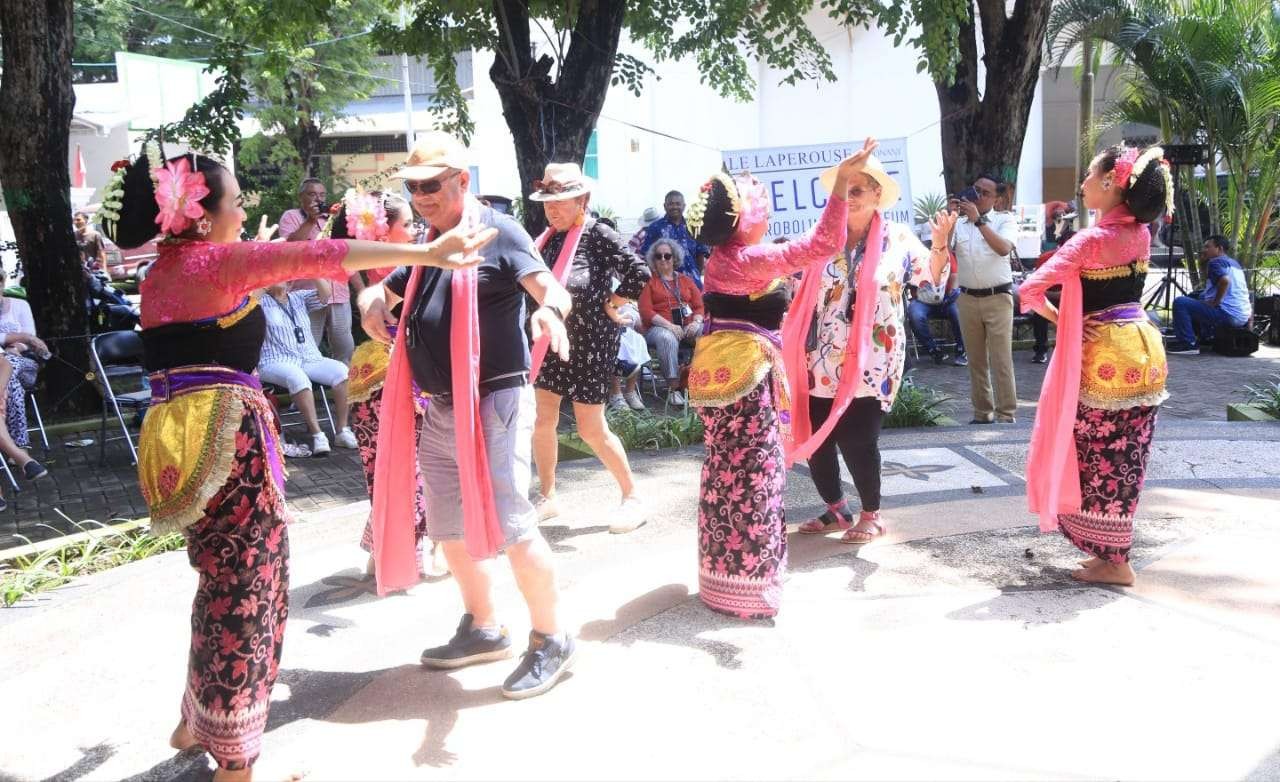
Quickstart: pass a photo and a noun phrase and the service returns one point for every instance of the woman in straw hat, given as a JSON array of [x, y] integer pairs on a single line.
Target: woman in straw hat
[[845, 345], [738, 385], [586, 257]]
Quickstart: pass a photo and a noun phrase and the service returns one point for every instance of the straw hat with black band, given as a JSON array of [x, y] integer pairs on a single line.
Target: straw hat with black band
[[561, 181]]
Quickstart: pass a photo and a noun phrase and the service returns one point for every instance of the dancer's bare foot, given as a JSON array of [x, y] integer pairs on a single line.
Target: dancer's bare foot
[[1107, 573], [439, 565], [1090, 562], [182, 739]]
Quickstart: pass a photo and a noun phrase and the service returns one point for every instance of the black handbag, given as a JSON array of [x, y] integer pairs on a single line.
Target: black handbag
[[1231, 340]]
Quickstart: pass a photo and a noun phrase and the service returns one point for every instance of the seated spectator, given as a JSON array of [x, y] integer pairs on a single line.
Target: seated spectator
[[1224, 300], [291, 359], [672, 227], [633, 354], [671, 311], [934, 303], [22, 351]]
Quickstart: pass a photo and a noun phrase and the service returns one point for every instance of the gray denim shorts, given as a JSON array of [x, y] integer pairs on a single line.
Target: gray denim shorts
[[507, 417]]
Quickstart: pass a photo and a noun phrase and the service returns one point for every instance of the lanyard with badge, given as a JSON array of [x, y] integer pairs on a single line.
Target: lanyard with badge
[[853, 261], [288, 310], [682, 310]]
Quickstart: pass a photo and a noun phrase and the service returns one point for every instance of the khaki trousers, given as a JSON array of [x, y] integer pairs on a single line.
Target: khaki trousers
[[986, 322]]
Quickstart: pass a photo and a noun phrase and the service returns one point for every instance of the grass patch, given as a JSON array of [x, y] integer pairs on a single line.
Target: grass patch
[[1266, 396], [916, 405], [643, 431], [102, 549]]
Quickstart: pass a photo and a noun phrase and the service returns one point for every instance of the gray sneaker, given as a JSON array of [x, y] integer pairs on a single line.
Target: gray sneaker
[[470, 645], [545, 661]]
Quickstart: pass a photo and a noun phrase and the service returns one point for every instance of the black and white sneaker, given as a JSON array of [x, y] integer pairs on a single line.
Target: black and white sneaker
[[34, 471], [470, 645], [546, 660], [1178, 347]]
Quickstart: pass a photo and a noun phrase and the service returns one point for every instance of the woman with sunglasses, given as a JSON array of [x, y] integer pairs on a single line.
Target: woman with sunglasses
[[671, 309], [586, 257], [845, 345]]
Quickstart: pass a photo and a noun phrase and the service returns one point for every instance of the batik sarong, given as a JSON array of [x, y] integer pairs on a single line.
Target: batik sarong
[[1111, 448], [240, 549], [742, 534]]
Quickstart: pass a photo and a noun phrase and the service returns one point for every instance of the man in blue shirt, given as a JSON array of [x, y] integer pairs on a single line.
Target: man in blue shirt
[[1225, 299], [673, 227]]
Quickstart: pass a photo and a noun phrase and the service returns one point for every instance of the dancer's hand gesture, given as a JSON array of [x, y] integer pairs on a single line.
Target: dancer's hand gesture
[[458, 248], [265, 232], [942, 224], [853, 165]]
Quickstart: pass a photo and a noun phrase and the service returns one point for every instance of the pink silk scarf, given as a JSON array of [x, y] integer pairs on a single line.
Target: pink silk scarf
[[803, 440], [561, 273], [394, 482]]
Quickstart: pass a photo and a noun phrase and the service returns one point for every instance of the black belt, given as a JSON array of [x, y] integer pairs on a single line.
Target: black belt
[[486, 388], [1006, 288]]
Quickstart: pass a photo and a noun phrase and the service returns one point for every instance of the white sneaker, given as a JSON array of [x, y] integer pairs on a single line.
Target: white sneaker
[[319, 444], [346, 438], [617, 402], [628, 517], [547, 507], [676, 398], [633, 400]]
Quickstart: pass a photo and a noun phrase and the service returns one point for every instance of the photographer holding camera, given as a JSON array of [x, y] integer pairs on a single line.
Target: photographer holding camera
[[982, 240], [303, 225]]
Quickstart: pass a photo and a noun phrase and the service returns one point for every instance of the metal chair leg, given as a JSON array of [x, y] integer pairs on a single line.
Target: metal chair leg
[[44, 436], [324, 397]]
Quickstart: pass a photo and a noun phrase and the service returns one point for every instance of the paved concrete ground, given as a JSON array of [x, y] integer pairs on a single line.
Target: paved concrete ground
[[82, 488], [956, 648], [1200, 386]]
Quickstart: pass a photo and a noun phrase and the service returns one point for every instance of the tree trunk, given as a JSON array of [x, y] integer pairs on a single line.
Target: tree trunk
[[34, 138], [551, 121], [1084, 155], [984, 134]]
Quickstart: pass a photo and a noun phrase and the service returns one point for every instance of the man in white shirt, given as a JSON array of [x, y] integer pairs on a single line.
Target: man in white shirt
[[982, 240]]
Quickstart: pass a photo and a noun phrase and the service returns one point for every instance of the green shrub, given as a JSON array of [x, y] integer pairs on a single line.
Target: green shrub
[[915, 406], [25, 576], [1266, 396]]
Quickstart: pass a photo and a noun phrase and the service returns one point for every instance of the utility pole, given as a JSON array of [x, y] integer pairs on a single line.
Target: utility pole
[[404, 83], [1083, 155]]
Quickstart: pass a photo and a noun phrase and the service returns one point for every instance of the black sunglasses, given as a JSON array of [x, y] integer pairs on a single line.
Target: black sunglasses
[[427, 186], [663, 256]]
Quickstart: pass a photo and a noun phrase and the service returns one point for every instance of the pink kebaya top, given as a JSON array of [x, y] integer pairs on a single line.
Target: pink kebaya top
[[738, 269], [1117, 240], [193, 281]]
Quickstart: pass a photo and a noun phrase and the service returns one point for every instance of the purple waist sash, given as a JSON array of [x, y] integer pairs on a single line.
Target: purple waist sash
[[1119, 313], [712, 325], [169, 383]]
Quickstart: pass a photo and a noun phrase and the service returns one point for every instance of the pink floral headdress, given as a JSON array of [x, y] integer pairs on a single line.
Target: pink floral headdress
[[366, 216], [178, 194], [752, 205]]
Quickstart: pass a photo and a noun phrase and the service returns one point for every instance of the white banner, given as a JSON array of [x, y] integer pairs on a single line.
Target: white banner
[[790, 176]]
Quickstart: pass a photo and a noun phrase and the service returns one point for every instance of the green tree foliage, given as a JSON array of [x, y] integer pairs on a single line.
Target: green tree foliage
[[1204, 71]]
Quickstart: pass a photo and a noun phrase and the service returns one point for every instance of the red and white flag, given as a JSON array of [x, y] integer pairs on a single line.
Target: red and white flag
[[78, 173]]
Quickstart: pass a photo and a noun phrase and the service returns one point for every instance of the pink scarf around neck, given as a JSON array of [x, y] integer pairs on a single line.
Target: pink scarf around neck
[[561, 273], [394, 482], [803, 440]]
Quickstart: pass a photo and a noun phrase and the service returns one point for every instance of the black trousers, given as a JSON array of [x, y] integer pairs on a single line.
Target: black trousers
[[857, 435], [1040, 331]]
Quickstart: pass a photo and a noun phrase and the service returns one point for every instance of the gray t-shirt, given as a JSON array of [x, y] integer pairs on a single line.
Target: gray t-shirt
[[504, 347]]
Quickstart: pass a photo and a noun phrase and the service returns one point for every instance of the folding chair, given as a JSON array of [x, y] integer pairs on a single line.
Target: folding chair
[[293, 412], [118, 354]]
